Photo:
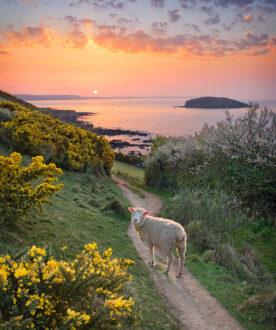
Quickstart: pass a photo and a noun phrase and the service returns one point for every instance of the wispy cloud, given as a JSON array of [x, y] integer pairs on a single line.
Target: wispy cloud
[[157, 3], [174, 15]]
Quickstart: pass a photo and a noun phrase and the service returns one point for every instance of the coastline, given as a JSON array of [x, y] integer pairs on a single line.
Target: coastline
[[116, 137]]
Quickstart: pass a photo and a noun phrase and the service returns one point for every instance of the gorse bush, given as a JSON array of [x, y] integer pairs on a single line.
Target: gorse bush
[[37, 291], [68, 146], [237, 153], [23, 188]]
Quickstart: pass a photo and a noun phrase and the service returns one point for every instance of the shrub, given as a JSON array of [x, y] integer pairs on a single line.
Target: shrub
[[68, 146], [237, 153], [209, 216], [5, 114], [24, 188], [37, 291], [116, 206], [194, 258], [261, 307]]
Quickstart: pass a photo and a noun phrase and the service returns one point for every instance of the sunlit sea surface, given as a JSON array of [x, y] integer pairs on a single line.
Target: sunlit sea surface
[[154, 116]]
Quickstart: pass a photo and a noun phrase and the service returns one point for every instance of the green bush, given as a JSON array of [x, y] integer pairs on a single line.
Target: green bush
[[237, 154]]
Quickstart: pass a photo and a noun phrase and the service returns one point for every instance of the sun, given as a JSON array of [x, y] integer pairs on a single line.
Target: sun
[[95, 91]]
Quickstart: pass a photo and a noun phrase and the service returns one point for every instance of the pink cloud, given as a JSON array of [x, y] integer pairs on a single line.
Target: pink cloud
[[30, 36]]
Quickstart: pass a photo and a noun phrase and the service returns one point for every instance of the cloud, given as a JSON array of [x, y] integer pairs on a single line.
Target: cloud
[[188, 4], [100, 4], [229, 27], [174, 15], [87, 22], [239, 3], [76, 39], [261, 17], [159, 28], [31, 35], [207, 10], [270, 2], [212, 21], [72, 21], [79, 2], [193, 26], [248, 18], [250, 41], [116, 38], [157, 3]]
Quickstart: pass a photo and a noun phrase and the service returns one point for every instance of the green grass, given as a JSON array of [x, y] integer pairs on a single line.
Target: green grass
[[76, 217], [135, 175], [134, 172]]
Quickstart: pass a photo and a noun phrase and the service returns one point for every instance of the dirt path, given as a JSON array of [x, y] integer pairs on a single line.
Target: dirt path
[[193, 306]]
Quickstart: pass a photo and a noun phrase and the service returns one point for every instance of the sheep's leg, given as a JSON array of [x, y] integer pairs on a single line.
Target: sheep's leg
[[181, 252], [151, 261], [170, 259]]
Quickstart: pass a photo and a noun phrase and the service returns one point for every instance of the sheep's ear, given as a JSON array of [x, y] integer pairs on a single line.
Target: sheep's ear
[[147, 212], [131, 209]]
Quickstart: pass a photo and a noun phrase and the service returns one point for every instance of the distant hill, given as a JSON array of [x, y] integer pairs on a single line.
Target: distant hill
[[210, 102], [37, 97], [8, 97]]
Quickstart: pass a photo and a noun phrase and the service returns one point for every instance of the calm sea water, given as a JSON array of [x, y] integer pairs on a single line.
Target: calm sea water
[[155, 116]]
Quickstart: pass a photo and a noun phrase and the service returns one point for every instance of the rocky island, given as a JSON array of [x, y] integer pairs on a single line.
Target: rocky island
[[210, 102]]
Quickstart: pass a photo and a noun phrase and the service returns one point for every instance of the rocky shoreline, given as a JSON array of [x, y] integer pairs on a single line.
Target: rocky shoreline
[[120, 145]]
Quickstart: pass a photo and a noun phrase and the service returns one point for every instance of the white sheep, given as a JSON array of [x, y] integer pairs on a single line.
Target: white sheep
[[160, 233]]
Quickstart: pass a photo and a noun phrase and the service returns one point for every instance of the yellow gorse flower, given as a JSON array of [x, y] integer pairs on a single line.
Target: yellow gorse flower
[[47, 289]]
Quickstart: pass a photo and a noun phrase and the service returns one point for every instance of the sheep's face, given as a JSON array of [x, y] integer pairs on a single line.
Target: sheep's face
[[138, 215]]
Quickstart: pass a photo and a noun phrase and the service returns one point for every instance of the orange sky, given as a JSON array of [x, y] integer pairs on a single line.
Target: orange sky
[[48, 58]]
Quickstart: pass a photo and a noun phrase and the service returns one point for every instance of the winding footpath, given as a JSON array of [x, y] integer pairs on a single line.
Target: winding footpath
[[192, 305]]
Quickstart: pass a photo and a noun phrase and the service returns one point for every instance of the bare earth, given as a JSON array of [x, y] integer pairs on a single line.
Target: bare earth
[[192, 305]]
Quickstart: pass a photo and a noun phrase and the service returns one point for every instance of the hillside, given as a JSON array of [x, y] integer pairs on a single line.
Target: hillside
[[4, 96], [210, 102], [93, 214]]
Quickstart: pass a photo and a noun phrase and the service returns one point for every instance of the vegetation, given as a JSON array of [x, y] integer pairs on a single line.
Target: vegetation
[[23, 188], [231, 255], [37, 291], [239, 154], [10, 98], [224, 179], [82, 212], [33, 133], [130, 159], [210, 102], [219, 183]]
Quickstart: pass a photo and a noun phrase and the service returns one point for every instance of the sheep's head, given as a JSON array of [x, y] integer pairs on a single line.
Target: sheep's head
[[138, 215]]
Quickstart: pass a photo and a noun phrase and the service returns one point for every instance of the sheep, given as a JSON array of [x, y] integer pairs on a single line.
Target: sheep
[[161, 233]]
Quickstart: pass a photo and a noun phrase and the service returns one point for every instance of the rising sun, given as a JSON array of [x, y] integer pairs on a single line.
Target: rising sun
[[95, 91]]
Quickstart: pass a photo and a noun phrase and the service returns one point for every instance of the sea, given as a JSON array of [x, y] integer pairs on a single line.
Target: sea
[[152, 116]]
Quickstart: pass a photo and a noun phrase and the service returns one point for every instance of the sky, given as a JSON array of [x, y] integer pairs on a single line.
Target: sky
[[139, 47]]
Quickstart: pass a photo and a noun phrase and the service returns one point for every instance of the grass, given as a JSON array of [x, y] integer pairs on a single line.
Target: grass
[[135, 176], [229, 290], [136, 173], [76, 217]]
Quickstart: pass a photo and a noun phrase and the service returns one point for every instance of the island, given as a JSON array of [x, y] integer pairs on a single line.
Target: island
[[210, 102]]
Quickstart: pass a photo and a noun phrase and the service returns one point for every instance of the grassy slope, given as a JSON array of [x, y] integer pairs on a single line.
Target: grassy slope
[[220, 282], [8, 97], [75, 218]]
